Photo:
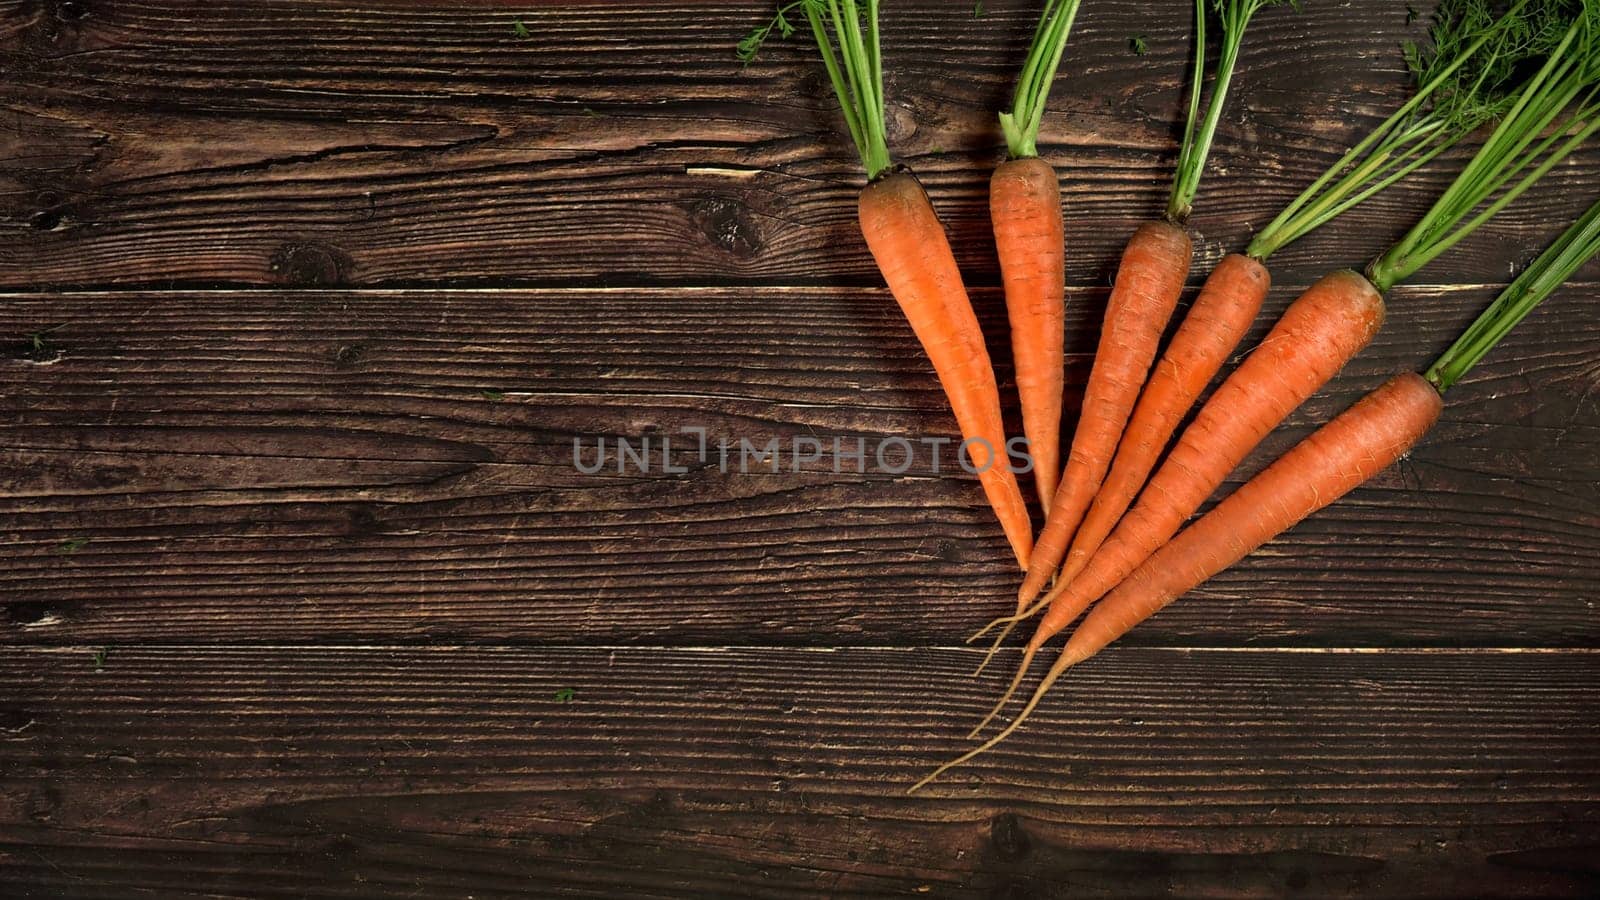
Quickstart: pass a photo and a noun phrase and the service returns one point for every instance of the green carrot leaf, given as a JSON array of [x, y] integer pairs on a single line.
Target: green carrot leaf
[[1575, 247], [1199, 132], [1556, 110], [1465, 75]]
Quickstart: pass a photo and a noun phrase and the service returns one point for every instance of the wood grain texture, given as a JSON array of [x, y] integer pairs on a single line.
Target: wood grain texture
[[456, 771], [326, 466], [317, 142], [303, 303]]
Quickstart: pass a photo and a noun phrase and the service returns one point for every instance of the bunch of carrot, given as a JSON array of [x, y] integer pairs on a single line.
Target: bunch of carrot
[[1114, 535]]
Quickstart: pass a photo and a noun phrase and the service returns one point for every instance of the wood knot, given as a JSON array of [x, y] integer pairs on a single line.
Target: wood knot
[[32, 613], [727, 224], [310, 265], [48, 213], [348, 356], [362, 522], [1007, 836], [71, 10]]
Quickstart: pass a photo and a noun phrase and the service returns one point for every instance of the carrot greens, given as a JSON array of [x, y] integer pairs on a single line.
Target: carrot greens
[[855, 69], [1198, 133], [1555, 112], [1576, 246], [1021, 124], [1464, 80]]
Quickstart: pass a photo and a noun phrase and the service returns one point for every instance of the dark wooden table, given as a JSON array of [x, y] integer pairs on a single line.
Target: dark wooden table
[[305, 302]]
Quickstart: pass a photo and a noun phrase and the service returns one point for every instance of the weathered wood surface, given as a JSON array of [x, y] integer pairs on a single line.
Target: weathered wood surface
[[303, 303], [162, 142], [455, 771], [293, 466]]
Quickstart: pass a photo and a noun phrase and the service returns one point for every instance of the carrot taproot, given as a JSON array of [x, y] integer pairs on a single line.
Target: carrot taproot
[[910, 247], [913, 254], [1149, 279], [1025, 210], [1354, 446], [1213, 327], [1320, 331]]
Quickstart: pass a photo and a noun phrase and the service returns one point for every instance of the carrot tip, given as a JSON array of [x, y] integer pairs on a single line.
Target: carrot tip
[[1060, 666], [1008, 621], [993, 648]]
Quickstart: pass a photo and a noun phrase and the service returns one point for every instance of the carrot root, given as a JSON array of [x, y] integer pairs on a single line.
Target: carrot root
[[1061, 665], [994, 648], [1150, 278], [1005, 698], [912, 251]]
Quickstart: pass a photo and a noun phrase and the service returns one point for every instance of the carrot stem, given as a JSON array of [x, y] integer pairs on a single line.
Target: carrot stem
[[856, 73], [1576, 246], [1561, 100], [1198, 136], [1061, 665], [1021, 124]]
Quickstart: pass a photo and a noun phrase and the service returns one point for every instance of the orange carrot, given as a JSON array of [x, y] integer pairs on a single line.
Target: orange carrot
[[1025, 209], [1149, 279], [1155, 266], [1311, 342], [1210, 331], [1353, 447], [909, 244], [1357, 444]]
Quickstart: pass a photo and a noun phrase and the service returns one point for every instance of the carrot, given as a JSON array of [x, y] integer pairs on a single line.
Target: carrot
[[1555, 111], [1149, 279], [1473, 64], [1151, 275], [1025, 209], [1353, 447], [910, 247], [909, 244], [1320, 331]]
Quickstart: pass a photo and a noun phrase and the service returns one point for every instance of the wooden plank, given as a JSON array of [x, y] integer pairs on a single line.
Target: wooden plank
[[155, 142], [324, 465], [453, 771]]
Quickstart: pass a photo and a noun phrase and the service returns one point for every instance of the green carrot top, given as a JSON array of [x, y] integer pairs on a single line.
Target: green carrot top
[[1576, 246], [856, 70], [1555, 112], [1464, 78], [1197, 132], [1021, 123]]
